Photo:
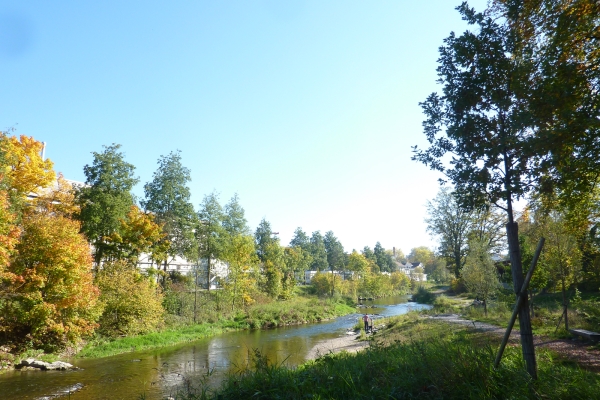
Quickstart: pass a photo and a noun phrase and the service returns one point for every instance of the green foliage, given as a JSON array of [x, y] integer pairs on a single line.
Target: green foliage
[[211, 236], [479, 273], [132, 302], [438, 362], [167, 196], [424, 296], [318, 252], [106, 197], [383, 259]]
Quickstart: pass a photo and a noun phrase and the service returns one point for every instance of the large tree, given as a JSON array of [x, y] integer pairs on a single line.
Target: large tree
[[482, 121], [168, 198], [106, 197]]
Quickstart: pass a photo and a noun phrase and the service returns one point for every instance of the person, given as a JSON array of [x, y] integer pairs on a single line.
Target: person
[[366, 320], [371, 325]]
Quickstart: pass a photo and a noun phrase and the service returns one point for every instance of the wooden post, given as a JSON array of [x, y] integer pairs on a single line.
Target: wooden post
[[518, 305], [512, 233]]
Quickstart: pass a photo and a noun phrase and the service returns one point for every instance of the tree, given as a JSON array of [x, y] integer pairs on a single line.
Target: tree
[[451, 224], [318, 252], [383, 259], [300, 239], [421, 254], [132, 303], [358, 263], [335, 255], [369, 255], [239, 252], [50, 299], [241, 257], [272, 268], [138, 234], [234, 219], [25, 170], [479, 273], [167, 196], [210, 233], [299, 257], [270, 254], [482, 121], [106, 197]]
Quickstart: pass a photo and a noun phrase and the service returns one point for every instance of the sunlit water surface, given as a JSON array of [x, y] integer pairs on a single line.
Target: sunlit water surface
[[161, 372]]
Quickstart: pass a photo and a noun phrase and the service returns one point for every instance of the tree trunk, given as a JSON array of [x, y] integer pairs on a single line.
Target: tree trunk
[[332, 282], [512, 233], [564, 296], [208, 273], [457, 266]]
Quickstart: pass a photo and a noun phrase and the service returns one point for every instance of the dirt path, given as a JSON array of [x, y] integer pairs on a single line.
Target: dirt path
[[573, 350]]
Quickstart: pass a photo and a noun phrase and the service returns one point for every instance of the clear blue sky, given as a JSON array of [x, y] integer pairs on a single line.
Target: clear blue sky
[[307, 109]]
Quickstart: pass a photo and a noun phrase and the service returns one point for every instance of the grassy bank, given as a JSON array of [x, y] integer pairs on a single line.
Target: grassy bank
[[415, 358], [263, 316]]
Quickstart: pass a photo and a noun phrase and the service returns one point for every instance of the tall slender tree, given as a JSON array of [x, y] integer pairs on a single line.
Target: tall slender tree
[[482, 121], [210, 233], [167, 196]]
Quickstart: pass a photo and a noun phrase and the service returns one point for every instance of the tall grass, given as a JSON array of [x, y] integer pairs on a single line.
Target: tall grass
[[432, 361]]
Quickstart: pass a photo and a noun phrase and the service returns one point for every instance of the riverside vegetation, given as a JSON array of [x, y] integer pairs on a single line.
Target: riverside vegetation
[[70, 274], [417, 357]]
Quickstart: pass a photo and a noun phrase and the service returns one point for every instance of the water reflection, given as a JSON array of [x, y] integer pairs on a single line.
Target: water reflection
[[160, 372]]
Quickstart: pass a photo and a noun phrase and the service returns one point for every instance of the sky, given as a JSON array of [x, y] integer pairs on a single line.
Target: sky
[[306, 109]]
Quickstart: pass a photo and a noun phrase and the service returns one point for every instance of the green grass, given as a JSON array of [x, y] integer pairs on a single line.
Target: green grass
[[297, 311], [104, 347], [416, 358]]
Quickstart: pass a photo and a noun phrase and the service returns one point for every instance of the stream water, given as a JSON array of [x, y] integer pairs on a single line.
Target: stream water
[[160, 372]]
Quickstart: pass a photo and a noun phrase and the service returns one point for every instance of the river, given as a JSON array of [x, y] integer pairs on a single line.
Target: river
[[160, 372]]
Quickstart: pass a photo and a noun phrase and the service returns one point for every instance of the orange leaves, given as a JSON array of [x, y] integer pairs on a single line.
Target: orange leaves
[[56, 301]]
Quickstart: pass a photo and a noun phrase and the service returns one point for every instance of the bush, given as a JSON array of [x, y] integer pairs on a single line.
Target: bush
[[132, 302], [423, 296]]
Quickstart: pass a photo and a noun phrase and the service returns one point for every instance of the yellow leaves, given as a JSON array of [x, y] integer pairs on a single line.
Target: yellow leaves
[[60, 199], [23, 165], [138, 234], [9, 231]]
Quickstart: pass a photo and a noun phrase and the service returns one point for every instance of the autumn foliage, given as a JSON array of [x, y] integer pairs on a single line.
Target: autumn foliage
[[50, 299], [47, 295]]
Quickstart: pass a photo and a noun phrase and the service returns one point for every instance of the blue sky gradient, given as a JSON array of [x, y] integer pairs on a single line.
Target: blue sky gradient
[[307, 109]]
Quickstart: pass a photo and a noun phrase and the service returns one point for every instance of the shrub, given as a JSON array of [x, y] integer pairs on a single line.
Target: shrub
[[132, 302]]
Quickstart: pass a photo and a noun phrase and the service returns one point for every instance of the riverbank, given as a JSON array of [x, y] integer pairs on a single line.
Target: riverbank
[[265, 316], [435, 358]]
